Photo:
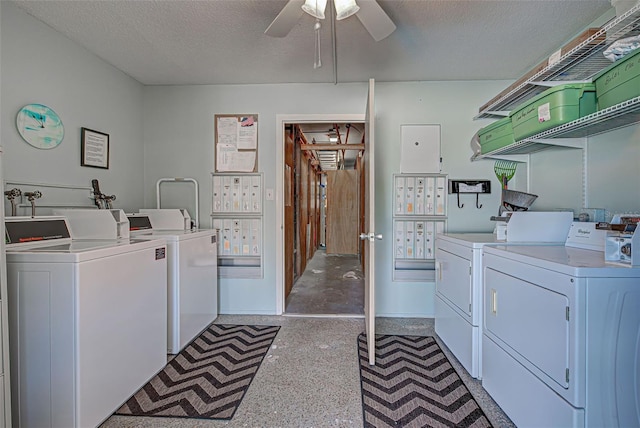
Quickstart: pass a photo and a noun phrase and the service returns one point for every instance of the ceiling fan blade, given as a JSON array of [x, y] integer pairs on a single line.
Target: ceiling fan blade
[[375, 19], [286, 19]]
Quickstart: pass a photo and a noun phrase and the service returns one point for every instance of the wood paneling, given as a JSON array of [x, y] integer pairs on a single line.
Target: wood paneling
[[342, 212], [289, 232], [313, 211], [297, 229], [303, 200]]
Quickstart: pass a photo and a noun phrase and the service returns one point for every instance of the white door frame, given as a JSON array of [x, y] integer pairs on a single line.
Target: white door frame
[[281, 121]]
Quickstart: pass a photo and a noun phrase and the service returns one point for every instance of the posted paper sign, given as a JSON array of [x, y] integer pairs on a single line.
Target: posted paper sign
[[236, 143]]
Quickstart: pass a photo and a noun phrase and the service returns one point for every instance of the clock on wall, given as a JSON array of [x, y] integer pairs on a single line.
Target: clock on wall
[[40, 126]]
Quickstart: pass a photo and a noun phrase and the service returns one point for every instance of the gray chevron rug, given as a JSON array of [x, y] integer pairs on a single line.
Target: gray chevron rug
[[208, 378], [414, 385]]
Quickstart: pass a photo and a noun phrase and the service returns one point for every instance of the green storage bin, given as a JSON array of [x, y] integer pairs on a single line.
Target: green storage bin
[[554, 107], [619, 82], [496, 135]]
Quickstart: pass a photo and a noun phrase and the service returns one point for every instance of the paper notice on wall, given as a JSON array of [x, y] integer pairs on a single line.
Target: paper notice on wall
[[248, 133], [236, 143], [228, 131], [229, 159], [240, 132]]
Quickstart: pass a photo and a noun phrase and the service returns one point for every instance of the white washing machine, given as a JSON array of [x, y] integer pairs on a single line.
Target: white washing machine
[[561, 339], [458, 300], [87, 322], [192, 272]]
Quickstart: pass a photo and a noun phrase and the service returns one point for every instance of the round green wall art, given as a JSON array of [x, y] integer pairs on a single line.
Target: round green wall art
[[40, 126]]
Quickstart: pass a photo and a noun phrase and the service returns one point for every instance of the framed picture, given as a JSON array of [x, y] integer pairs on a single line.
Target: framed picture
[[94, 149]]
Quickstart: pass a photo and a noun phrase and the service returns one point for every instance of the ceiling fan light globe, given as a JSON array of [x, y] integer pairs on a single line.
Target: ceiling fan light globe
[[345, 8], [315, 8]]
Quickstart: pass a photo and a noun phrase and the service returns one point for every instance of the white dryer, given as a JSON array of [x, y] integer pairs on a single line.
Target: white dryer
[[561, 336], [192, 272], [87, 322], [458, 299]]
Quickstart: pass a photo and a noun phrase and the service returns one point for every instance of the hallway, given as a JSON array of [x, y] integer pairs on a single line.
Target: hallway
[[332, 284]]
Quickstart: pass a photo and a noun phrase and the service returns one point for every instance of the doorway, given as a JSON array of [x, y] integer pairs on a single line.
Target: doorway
[[322, 216]]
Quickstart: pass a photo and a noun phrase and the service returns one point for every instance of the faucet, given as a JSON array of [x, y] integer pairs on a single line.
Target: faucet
[[102, 201], [31, 197], [108, 200], [11, 196]]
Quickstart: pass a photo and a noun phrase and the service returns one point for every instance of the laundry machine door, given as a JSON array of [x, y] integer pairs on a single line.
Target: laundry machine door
[[531, 320], [453, 279]]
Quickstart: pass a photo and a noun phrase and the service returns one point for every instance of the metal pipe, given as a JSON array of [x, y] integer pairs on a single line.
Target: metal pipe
[[55, 186], [180, 180], [58, 206]]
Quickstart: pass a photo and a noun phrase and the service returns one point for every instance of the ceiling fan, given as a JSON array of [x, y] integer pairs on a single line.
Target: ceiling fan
[[369, 12]]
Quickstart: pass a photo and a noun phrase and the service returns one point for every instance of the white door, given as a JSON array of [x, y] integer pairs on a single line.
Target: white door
[[369, 234]]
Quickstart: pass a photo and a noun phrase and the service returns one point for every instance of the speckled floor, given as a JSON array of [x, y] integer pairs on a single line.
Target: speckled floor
[[331, 284], [310, 377]]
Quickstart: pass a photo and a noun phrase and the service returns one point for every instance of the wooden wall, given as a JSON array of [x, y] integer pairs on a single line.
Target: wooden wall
[[343, 216], [289, 232], [301, 229]]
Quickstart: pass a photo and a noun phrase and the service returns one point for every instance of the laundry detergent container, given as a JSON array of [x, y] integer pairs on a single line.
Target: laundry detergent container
[[619, 82], [553, 107], [496, 135]]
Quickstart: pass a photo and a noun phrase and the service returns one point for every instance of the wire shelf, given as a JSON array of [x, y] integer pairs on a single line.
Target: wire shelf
[[618, 116], [579, 64]]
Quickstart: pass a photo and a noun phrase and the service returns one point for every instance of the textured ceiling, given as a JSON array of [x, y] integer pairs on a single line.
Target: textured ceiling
[[223, 42]]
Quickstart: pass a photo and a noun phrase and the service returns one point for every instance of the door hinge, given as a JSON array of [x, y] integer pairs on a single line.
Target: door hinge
[[469, 270], [567, 375], [469, 307], [567, 313]]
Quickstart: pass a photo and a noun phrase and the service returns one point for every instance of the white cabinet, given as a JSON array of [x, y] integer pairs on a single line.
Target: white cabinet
[[420, 149]]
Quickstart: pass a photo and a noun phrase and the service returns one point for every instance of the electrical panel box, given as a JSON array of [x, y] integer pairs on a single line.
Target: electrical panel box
[[419, 213], [236, 212], [420, 149]]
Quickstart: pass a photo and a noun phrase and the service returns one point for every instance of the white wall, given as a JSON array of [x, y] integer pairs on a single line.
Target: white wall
[[178, 134], [168, 132], [42, 66], [178, 129], [612, 174]]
